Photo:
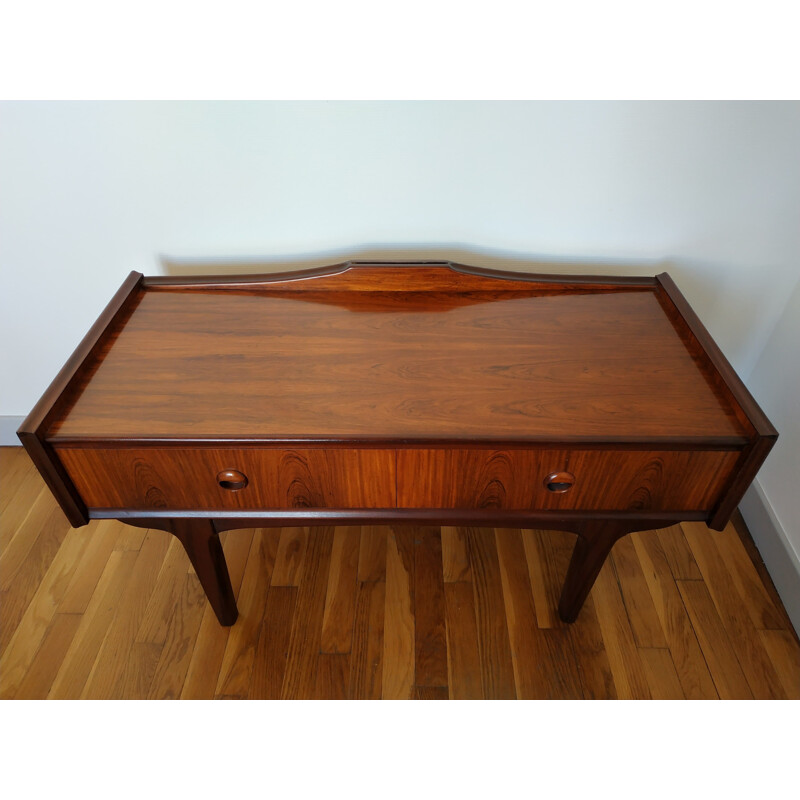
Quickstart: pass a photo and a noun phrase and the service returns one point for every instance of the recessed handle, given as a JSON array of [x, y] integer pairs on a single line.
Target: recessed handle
[[559, 482], [232, 479]]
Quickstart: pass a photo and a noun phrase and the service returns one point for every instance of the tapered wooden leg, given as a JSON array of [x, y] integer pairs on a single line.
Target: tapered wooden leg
[[201, 542], [595, 540]]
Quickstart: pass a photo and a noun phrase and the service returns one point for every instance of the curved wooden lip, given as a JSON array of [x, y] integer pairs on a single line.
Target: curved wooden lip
[[373, 269]]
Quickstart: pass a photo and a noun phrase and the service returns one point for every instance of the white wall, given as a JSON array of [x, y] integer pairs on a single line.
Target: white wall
[[89, 191], [771, 507]]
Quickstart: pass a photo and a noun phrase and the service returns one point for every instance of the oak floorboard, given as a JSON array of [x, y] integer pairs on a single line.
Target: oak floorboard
[[212, 638], [299, 680], [545, 585], [372, 553], [366, 658], [678, 554], [719, 654], [165, 595], [463, 658], [289, 559], [15, 514], [237, 664], [661, 675], [77, 664], [21, 573], [184, 624], [99, 544], [430, 643], [431, 693], [630, 680], [455, 554], [113, 656], [16, 469], [27, 638], [594, 668], [542, 659], [681, 639], [761, 569], [42, 671], [644, 619], [28, 534], [399, 657], [333, 676], [494, 647], [784, 652], [130, 538], [135, 681], [337, 619], [269, 666], [755, 662], [762, 610]]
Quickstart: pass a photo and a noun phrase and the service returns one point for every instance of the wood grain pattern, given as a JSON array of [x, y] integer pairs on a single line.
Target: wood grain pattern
[[399, 657], [430, 645], [549, 650], [112, 659], [455, 555], [661, 674], [543, 360], [314, 391], [645, 623], [624, 659], [717, 649], [237, 664], [337, 620], [55, 653], [755, 661], [154, 478], [494, 648], [366, 657], [209, 649], [605, 480], [687, 656], [273, 644], [304, 642], [463, 658]]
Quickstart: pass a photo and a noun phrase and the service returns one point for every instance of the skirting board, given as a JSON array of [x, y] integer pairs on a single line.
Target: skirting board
[[8, 431], [779, 556]]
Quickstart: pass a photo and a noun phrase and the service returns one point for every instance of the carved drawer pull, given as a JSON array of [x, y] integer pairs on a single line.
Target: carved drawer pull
[[559, 482], [232, 479]]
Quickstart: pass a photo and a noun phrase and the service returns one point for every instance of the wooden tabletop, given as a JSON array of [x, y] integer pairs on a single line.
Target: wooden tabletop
[[400, 354]]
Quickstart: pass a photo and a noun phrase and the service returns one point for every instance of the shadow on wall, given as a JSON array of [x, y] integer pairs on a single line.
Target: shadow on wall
[[698, 280], [491, 259]]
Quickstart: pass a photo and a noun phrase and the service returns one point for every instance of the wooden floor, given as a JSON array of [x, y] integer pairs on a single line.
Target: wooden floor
[[110, 611]]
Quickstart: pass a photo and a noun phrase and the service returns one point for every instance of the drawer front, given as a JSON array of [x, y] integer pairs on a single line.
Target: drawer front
[[198, 478], [591, 480]]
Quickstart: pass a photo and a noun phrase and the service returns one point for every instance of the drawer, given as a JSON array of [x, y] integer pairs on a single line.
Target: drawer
[[196, 477], [591, 480]]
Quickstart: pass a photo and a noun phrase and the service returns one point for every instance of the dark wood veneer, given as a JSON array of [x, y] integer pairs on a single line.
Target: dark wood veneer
[[369, 393]]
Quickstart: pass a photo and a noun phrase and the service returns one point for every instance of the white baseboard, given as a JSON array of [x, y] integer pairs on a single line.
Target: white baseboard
[[780, 558], [8, 430]]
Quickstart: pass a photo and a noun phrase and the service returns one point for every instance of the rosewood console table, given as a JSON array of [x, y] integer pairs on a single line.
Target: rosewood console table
[[426, 392]]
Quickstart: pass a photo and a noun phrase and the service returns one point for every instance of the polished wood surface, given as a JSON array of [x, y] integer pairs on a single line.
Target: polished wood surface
[[110, 611], [391, 392], [619, 480], [176, 478], [539, 361]]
